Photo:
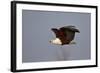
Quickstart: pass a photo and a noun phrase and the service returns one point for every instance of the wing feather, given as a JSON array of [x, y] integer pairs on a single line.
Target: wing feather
[[70, 28], [68, 32], [56, 31]]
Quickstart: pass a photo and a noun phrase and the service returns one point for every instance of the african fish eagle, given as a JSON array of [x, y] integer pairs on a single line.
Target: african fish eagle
[[64, 35]]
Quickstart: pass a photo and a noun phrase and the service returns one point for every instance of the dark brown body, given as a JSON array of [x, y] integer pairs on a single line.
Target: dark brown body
[[65, 34]]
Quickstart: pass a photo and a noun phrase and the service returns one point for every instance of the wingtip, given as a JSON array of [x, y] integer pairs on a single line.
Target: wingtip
[[53, 29], [77, 31]]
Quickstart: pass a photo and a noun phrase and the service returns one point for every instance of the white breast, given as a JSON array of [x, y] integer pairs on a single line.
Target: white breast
[[56, 41]]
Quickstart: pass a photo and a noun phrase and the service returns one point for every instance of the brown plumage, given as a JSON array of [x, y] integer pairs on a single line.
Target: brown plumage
[[65, 34]]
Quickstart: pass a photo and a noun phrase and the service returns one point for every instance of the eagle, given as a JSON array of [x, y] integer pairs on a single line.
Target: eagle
[[64, 35]]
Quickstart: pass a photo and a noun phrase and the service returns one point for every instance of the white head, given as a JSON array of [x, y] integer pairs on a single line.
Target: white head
[[56, 41]]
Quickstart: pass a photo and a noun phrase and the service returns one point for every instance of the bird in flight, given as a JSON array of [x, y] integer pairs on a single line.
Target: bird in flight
[[64, 35]]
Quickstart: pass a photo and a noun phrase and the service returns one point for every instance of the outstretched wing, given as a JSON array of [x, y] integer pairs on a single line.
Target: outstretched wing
[[56, 31], [70, 28], [69, 32]]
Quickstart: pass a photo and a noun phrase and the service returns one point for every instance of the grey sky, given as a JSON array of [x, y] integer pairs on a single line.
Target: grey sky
[[36, 34]]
